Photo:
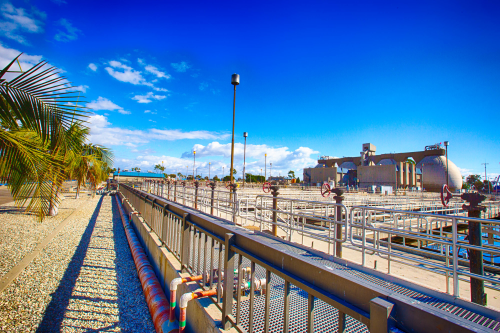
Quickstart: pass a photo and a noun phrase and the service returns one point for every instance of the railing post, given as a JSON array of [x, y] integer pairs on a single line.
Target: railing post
[[235, 201], [338, 218], [227, 295], [184, 193], [275, 193], [212, 185], [475, 238], [168, 190], [185, 246], [175, 190], [196, 185], [380, 312]]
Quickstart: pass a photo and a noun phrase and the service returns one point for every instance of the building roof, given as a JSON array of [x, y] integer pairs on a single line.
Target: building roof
[[139, 174]]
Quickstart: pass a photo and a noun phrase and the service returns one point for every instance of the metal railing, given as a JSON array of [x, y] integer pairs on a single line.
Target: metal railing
[[283, 289]]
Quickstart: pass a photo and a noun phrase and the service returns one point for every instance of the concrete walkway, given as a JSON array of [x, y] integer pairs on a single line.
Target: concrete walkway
[[84, 280]]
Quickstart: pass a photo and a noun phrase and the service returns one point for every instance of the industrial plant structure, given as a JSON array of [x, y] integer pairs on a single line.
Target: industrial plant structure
[[413, 170]]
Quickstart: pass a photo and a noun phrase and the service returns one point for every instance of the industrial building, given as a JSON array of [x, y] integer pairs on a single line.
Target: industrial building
[[412, 170]]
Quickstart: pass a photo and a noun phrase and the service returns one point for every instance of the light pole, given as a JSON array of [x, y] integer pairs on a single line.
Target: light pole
[[486, 178], [187, 170], [196, 172], [118, 187], [446, 143], [235, 80], [194, 161], [265, 168], [271, 171], [260, 172], [245, 134], [222, 173], [209, 170]]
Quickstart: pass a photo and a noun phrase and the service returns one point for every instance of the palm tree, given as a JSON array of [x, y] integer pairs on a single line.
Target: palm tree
[[37, 112]]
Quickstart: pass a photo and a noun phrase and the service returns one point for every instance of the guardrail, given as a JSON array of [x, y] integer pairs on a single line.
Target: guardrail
[[283, 284]]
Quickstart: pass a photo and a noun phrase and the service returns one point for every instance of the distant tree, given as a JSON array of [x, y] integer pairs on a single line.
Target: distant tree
[[472, 179], [172, 175], [136, 169], [215, 178], [159, 168], [227, 178], [291, 174], [298, 180], [179, 174], [206, 178]]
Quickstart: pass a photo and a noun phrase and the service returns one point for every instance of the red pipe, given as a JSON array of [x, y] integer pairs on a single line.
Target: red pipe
[[155, 297], [173, 291], [184, 301]]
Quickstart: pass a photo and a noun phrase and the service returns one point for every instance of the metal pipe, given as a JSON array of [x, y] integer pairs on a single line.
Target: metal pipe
[[184, 302], [173, 291]]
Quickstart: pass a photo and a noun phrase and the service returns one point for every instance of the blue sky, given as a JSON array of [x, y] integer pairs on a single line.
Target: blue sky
[[317, 78]]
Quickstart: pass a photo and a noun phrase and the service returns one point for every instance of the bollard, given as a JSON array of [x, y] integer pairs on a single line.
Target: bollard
[[275, 193], [196, 185], [212, 185], [338, 217], [235, 200], [476, 257]]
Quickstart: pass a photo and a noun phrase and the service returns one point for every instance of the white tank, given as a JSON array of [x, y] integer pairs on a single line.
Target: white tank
[[434, 174]]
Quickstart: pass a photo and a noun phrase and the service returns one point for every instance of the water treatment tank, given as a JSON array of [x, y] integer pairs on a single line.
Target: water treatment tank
[[434, 174]]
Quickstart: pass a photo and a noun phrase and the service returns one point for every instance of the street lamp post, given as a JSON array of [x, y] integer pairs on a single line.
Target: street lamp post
[[118, 187], [222, 173], [235, 80], [485, 177], [245, 135], [187, 170], [194, 161], [265, 168], [271, 171], [446, 143], [209, 170]]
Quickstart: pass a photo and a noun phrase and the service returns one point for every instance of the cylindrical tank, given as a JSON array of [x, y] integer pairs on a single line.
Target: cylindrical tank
[[434, 174]]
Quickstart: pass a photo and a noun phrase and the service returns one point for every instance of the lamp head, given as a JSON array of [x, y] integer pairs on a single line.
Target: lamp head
[[245, 134], [235, 79], [446, 143]]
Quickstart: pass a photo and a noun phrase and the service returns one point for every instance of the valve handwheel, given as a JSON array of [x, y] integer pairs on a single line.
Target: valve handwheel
[[446, 199], [325, 190], [208, 184], [228, 185], [266, 187]]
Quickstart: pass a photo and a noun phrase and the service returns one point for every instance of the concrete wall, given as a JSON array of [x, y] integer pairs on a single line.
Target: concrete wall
[[376, 175], [202, 314], [318, 175]]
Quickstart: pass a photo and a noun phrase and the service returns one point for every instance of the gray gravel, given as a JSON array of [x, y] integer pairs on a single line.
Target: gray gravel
[[83, 281], [21, 232]]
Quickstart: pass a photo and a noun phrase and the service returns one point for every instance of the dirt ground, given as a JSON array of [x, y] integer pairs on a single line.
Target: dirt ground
[[5, 196]]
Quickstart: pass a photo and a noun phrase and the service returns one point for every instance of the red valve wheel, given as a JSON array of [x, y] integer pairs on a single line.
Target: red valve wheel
[[446, 199], [325, 190], [208, 184], [228, 185], [266, 187]]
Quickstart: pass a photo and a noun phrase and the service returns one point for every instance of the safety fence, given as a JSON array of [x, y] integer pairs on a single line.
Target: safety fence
[[412, 236], [264, 285]]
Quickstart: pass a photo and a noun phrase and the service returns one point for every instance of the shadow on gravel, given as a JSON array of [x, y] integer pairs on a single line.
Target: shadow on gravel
[[133, 310], [54, 314]]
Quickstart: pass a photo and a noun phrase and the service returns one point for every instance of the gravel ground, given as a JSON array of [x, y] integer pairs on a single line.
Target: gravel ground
[[83, 281], [21, 232]]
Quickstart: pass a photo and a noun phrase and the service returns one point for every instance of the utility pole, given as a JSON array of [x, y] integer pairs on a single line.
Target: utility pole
[[485, 178], [235, 80], [245, 135], [194, 161], [446, 143], [209, 170], [265, 168]]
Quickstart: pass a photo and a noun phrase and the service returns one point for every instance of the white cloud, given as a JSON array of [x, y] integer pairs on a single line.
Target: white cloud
[[282, 158], [27, 61], [105, 104], [147, 111], [148, 97], [125, 73], [203, 86], [181, 66], [68, 33], [160, 89], [171, 135], [155, 71], [81, 88], [17, 21], [93, 67], [101, 132]]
